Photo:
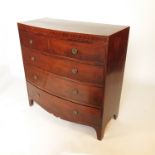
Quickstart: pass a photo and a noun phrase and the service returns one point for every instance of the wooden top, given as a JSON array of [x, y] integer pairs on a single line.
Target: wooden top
[[76, 27]]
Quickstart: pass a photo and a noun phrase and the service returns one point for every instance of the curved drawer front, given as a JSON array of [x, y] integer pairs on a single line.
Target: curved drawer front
[[65, 109], [89, 51], [33, 41], [62, 67], [92, 51], [79, 93]]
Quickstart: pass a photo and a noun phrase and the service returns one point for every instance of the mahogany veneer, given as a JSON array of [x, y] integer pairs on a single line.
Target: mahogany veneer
[[75, 69]]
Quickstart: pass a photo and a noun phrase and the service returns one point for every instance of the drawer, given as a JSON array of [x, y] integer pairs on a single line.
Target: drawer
[[87, 51], [33, 41], [70, 69], [73, 91], [65, 109]]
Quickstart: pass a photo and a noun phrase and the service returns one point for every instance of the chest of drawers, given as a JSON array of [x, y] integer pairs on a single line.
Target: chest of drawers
[[74, 70]]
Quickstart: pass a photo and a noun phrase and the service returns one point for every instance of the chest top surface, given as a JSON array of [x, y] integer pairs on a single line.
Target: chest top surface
[[75, 26]]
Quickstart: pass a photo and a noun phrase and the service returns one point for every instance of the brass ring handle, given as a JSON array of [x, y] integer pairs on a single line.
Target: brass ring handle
[[74, 71], [35, 77], [32, 58], [75, 112], [74, 51], [75, 92], [30, 41]]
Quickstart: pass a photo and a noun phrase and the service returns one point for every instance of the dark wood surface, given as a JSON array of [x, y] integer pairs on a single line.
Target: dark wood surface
[[76, 26], [34, 41], [90, 74], [84, 87], [85, 50], [82, 94], [63, 108], [116, 57]]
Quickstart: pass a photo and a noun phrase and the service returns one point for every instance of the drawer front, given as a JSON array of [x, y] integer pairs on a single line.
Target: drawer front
[[73, 91], [62, 67], [33, 41], [63, 108], [91, 51]]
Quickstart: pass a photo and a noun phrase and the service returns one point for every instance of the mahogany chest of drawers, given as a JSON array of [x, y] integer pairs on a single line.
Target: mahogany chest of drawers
[[74, 70]]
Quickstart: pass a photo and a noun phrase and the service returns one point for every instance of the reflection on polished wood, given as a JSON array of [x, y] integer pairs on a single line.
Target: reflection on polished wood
[[74, 70]]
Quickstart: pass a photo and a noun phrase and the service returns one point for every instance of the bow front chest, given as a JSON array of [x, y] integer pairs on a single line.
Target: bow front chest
[[74, 70]]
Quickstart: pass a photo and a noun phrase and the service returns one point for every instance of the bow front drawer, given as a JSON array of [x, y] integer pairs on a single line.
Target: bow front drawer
[[87, 51], [73, 91], [33, 41], [65, 109], [62, 67]]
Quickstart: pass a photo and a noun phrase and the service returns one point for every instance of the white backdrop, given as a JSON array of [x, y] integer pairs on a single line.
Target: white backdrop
[[124, 136], [139, 14]]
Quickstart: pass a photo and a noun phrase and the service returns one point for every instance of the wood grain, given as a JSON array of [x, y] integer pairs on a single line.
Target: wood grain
[[85, 73], [63, 108], [33, 41], [85, 51], [82, 94], [84, 87]]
